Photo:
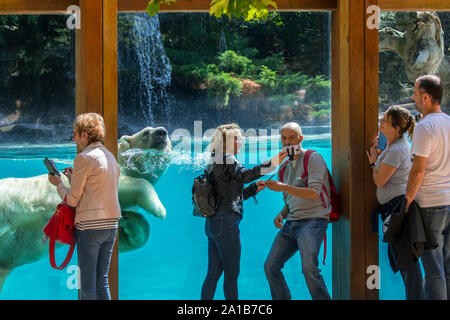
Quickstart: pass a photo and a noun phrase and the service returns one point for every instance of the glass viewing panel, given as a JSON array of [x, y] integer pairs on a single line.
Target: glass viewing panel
[[37, 110], [189, 73]]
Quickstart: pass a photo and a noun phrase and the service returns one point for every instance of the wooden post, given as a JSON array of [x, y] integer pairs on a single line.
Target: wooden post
[[371, 67], [96, 79], [110, 112], [354, 246]]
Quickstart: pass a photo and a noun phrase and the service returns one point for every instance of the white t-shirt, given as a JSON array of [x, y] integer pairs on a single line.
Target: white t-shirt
[[431, 139], [397, 155]]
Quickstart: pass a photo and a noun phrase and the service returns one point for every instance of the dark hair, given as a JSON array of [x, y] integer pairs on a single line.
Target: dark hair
[[432, 85], [400, 117]]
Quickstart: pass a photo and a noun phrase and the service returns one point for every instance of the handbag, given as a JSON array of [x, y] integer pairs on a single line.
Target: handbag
[[60, 228]]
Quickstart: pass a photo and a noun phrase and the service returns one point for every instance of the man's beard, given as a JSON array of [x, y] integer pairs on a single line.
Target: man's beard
[[418, 107]]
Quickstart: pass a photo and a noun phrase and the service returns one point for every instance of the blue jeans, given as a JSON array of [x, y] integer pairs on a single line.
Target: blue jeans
[[436, 262], [412, 278], [94, 248], [305, 235], [224, 255]]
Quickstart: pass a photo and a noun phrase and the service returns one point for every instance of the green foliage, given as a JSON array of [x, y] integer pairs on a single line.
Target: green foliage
[[322, 115], [283, 99], [221, 85], [275, 62], [318, 88], [247, 9], [38, 60], [291, 82], [267, 77], [153, 6], [229, 61], [283, 54]]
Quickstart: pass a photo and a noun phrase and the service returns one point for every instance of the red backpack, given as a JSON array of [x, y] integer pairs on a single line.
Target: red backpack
[[334, 197]]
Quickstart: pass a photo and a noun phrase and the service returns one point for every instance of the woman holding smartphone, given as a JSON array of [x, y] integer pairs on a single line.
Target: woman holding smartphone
[[390, 171], [93, 191], [222, 229]]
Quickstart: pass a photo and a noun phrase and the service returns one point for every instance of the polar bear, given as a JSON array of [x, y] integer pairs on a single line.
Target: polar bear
[[26, 204]]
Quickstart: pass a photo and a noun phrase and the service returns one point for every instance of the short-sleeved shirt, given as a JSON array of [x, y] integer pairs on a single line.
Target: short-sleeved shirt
[[431, 139], [300, 208], [397, 155]]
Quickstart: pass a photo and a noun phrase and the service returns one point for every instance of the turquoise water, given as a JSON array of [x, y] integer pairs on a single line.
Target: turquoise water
[[172, 264]]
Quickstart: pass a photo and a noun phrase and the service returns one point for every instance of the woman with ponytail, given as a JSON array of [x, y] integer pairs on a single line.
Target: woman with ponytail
[[390, 171]]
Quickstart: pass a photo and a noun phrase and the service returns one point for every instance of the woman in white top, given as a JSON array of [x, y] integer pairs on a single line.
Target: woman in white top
[[390, 171]]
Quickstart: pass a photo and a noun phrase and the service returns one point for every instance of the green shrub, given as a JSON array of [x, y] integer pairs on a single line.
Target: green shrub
[[230, 62], [221, 85], [318, 89], [267, 77]]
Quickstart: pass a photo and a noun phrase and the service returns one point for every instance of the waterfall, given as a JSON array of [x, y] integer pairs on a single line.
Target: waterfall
[[155, 69], [222, 41]]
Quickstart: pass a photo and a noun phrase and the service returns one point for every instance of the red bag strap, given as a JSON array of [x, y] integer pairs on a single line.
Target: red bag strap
[[306, 162], [52, 255], [281, 171]]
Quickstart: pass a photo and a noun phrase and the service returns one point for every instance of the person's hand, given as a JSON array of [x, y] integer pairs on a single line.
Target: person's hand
[[278, 159], [68, 172], [278, 221], [375, 145], [261, 185], [274, 185], [54, 179], [372, 155], [408, 203]]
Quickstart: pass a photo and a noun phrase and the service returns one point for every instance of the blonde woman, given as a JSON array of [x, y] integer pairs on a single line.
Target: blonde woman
[[222, 229], [93, 191]]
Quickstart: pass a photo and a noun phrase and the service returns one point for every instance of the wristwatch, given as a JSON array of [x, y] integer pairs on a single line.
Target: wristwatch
[[372, 165]]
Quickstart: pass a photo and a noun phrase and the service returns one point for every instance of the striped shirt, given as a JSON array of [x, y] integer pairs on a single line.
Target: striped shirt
[[100, 224]]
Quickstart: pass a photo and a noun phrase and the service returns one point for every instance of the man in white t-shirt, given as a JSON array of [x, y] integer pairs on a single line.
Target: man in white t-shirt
[[429, 181]]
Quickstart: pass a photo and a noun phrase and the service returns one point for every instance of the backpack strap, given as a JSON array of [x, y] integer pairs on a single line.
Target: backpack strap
[[281, 171], [211, 174], [306, 157]]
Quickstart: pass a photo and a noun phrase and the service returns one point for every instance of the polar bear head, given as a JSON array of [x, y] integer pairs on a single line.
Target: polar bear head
[[146, 154]]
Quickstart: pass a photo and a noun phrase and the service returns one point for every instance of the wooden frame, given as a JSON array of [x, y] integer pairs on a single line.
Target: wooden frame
[[36, 6], [414, 5], [354, 106]]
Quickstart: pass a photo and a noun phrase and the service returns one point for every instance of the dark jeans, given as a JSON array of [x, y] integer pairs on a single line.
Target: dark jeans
[[224, 254], [436, 262], [412, 278], [305, 235], [94, 248]]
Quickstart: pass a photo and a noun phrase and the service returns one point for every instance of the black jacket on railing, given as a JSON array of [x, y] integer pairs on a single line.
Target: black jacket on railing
[[408, 236], [228, 179]]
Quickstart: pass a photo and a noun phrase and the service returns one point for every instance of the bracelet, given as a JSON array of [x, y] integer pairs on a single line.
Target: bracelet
[[372, 165]]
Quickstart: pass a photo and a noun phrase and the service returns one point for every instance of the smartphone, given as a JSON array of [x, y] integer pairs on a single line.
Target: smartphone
[[382, 141], [51, 167], [292, 151]]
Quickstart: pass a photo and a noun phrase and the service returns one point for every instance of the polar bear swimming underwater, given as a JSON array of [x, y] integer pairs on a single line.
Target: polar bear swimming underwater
[[26, 204]]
